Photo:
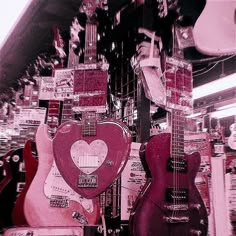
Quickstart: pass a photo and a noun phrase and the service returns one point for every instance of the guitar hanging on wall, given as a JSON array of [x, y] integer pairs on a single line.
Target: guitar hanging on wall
[[172, 204], [31, 164], [94, 151], [48, 193], [214, 32]]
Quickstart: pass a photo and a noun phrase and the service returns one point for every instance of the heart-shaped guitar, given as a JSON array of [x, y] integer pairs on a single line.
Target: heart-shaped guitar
[[91, 154]]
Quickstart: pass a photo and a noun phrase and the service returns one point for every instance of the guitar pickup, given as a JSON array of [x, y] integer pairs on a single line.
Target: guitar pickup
[[176, 220], [88, 181], [180, 195], [177, 165]]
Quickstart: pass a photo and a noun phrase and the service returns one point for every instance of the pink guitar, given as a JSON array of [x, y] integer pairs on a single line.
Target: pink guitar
[[46, 197], [48, 188], [215, 30]]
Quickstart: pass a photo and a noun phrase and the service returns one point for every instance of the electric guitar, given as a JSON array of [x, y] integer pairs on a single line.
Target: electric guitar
[[232, 137], [5, 178], [94, 150], [31, 164], [5, 171], [15, 165], [49, 194], [171, 204], [214, 32]]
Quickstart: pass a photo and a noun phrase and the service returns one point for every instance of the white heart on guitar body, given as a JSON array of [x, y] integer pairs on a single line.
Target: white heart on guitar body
[[88, 157]]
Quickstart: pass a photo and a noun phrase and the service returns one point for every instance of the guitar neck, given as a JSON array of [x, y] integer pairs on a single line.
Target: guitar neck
[[177, 137], [67, 113]]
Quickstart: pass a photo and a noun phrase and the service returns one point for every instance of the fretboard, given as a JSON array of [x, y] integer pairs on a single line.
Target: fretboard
[[89, 124], [67, 113], [90, 51], [177, 138]]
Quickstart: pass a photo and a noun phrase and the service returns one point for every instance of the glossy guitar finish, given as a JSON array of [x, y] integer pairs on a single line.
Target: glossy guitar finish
[[5, 171], [105, 153], [215, 30], [57, 210], [31, 165], [154, 213], [8, 196]]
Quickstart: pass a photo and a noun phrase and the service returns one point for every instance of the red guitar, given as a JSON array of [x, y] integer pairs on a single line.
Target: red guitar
[[31, 165], [171, 204], [91, 153]]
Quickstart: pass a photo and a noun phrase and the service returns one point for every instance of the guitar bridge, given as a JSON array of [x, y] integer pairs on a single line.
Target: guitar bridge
[[59, 201], [175, 220]]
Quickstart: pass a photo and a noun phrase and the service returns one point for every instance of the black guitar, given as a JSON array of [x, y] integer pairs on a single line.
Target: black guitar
[[14, 167]]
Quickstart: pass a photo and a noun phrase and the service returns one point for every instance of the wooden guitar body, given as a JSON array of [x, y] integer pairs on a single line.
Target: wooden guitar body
[[57, 210], [31, 165], [171, 204], [92, 161], [215, 32]]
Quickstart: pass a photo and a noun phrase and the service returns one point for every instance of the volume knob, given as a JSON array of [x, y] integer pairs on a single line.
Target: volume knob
[[195, 232]]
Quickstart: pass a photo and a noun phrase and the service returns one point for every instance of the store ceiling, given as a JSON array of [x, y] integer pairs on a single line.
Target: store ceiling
[[34, 35]]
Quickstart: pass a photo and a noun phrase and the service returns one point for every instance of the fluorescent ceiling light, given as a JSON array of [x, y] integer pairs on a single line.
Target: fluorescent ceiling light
[[224, 113], [227, 107], [11, 12], [215, 86]]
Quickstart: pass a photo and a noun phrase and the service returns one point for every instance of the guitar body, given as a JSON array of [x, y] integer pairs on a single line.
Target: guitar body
[[232, 137], [42, 211], [14, 165], [5, 171], [154, 212], [215, 32], [31, 165], [91, 159]]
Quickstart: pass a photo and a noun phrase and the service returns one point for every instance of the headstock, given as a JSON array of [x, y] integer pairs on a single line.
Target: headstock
[[89, 6]]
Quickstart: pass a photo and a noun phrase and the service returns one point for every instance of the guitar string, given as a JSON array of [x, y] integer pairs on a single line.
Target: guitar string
[[174, 149]]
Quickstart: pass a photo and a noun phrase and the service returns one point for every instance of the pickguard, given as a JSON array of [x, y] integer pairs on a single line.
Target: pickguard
[[55, 185]]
